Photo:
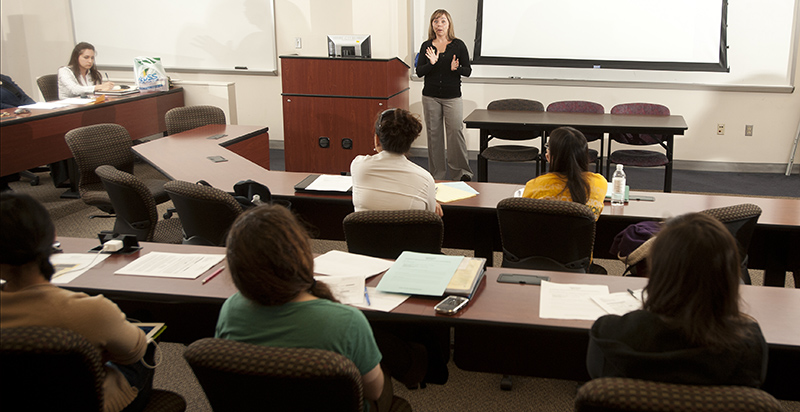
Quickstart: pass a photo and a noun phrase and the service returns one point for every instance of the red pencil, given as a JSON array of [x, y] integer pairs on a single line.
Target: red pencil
[[216, 272]]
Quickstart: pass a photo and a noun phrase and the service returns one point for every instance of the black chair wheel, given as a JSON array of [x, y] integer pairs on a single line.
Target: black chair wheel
[[35, 181], [505, 383]]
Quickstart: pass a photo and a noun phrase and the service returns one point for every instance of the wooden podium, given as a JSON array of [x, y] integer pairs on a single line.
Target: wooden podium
[[337, 99]]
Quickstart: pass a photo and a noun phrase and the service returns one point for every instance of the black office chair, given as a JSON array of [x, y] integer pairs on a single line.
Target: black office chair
[[48, 85], [635, 395], [507, 152], [206, 213], [387, 233], [546, 234], [70, 366], [105, 144], [136, 208], [741, 221]]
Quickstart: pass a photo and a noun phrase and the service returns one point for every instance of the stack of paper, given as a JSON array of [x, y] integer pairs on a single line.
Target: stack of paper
[[452, 191], [584, 302], [345, 274], [432, 275]]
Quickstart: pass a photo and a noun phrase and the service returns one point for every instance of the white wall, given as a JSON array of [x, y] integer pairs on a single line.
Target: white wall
[[37, 40]]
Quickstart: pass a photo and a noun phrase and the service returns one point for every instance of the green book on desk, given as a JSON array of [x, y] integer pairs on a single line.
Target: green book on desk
[[433, 275]]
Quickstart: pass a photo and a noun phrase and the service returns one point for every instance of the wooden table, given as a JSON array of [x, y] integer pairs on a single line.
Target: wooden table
[[31, 140], [500, 330], [486, 120], [472, 223]]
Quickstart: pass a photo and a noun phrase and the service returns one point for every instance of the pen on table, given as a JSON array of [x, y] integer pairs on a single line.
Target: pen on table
[[633, 294], [366, 296], [107, 79], [211, 276]]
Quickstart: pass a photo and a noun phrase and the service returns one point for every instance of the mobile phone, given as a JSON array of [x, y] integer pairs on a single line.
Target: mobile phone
[[450, 305], [521, 279]]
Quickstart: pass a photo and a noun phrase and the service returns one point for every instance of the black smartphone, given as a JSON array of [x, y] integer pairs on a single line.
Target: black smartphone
[[521, 279]]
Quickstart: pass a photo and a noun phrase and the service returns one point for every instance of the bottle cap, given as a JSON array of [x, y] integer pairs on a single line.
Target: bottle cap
[[619, 167]]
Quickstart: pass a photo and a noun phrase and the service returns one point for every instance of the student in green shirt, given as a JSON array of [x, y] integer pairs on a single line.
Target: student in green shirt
[[280, 304]]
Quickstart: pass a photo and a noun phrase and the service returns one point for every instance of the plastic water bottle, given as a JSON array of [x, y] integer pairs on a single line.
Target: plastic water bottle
[[618, 187]]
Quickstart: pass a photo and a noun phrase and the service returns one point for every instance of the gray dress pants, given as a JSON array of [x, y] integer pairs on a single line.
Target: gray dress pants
[[446, 115]]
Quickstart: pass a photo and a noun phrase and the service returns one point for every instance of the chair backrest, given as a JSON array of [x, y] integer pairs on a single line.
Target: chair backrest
[[546, 234], [48, 85], [650, 109], [387, 233], [133, 203], [519, 105], [97, 145], [50, 369], [206, 213], [624, 394], [181, 119], [578, 106], [740, 220], [237, 376]]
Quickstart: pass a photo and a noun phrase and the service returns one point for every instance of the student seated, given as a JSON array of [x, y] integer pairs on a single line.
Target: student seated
[[569, 178], [29, 299], [388, 180], [80, 76], [690, 330], [280, 304]]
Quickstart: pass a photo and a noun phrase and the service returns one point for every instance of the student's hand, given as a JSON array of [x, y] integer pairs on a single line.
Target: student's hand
[[439, 210], [104, 86], [454, 64], [431, 54]]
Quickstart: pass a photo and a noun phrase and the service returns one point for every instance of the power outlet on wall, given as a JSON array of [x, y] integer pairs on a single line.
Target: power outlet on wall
[[720, 129], [298, 43], [748, 130]]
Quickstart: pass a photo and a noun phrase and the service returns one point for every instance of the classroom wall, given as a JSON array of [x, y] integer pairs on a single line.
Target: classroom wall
[[37, 39]]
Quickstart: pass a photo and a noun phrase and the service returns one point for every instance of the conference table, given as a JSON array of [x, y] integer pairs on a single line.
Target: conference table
[[31, 140], [470, 223], [500, 331], [546, 122]]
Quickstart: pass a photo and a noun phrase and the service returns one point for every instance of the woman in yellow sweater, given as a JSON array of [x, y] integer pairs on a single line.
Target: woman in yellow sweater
[[569, 178]]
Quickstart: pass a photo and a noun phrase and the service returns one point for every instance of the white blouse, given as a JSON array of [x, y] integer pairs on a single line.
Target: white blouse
[[389, 181], [71, 86]]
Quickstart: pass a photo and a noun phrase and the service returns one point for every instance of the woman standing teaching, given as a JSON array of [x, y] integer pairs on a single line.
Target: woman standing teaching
[[443, 59], [80, 76]]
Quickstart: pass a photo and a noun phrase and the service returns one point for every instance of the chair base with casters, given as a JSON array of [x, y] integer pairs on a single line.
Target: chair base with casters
[[624, 395], [71, 364]]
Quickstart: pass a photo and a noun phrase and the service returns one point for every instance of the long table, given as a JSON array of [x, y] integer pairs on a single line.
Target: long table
[[470, 223], [546, 122], [31, 140], [500, 331]]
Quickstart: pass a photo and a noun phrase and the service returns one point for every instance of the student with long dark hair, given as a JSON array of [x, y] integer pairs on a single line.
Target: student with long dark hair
[[280, 304], [691, 329], [569, 178], [29, 299], [80, 76]]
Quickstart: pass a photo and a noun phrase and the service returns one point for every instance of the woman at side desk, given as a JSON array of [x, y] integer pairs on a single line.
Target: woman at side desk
[[388, 180], [29, 299], [569, 178], [80, 76], [280, 304], [691, 330]]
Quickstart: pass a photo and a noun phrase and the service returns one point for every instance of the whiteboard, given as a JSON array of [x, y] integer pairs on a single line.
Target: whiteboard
[[762, 40], [194, 35]]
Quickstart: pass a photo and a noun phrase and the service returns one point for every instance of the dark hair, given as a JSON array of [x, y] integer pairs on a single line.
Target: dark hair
[[569, 157], [75, 66], [270, 258], [694, 280], [397, 129], [451, 32], [27, 234]]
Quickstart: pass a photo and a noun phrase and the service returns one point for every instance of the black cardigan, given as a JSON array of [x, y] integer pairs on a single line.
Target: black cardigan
[[440, 81]]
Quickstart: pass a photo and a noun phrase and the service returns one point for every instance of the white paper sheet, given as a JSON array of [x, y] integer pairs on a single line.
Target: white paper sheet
[[347, 289], [71, 265], [45, 105], [570, 301], [171, 265], [331, 183], [76, 100], [620, 303], [338, 263], [384, 302]]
